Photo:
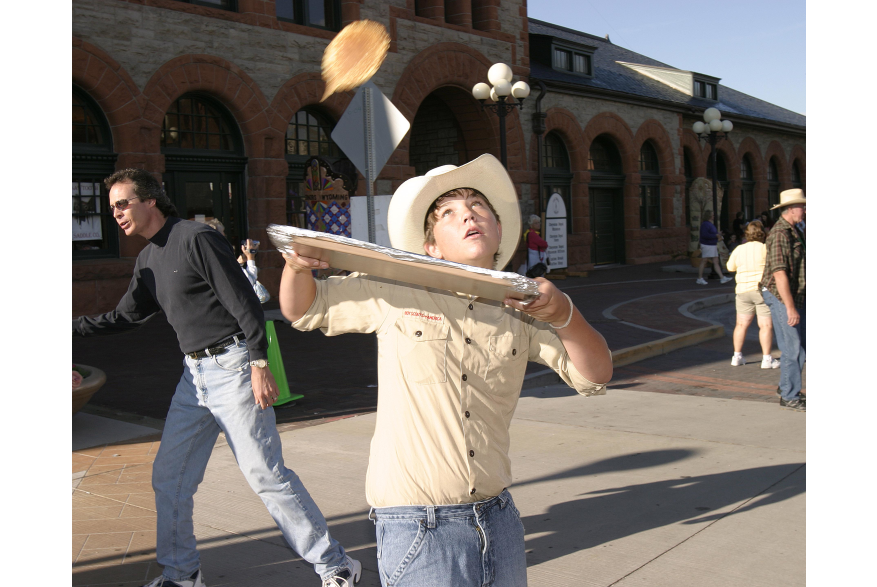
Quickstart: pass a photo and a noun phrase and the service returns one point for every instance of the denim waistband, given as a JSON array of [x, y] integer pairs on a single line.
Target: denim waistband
[[432, 512]]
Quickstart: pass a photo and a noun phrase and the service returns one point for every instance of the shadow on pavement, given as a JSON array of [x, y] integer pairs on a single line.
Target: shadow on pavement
[[604, 516]]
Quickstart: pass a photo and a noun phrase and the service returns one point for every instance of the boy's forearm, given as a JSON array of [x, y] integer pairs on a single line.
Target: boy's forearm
[[587, 349], [297, 293]]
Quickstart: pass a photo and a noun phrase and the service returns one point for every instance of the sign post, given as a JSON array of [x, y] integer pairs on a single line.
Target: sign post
[[555, 231], [368, 133]]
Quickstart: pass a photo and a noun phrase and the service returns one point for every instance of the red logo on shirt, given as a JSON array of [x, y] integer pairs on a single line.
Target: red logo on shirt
[[424, 316]]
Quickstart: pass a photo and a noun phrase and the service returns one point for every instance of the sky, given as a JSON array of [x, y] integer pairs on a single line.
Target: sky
[[758, 47]]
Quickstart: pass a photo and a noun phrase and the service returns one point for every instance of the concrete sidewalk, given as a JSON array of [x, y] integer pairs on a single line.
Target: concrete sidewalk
[[686, 473], [626, 489]]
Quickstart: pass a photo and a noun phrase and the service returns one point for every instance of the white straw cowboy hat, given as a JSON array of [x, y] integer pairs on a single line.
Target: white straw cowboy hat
[[789, 197], [408, 206]]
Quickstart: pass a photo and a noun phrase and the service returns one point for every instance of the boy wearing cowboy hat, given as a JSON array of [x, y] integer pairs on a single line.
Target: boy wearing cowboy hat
[[450, 370], [783, 290]]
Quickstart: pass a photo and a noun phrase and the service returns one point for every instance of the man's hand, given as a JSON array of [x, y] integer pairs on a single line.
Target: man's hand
[[794, 316], [551, 306], [297, 263], [264, 386]]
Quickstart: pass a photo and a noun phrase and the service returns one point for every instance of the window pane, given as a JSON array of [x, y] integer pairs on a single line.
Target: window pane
[[191, 123], [561, 59], [316, 13], [285, 9], [698, 89], [711, 91]]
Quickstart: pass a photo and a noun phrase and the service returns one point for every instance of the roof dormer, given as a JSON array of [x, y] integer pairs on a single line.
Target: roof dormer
[[691, 83], [563, 55]]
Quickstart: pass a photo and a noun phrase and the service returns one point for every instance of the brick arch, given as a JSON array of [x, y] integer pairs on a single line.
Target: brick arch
[[652, 130], [302, 91], [107, 82], [616, 128], [798, 154], [222, 80], [455, 65], [564, 123], [775, 149], [690, 141]]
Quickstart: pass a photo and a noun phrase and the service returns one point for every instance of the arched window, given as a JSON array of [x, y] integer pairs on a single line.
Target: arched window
[[650, 187], [556, 174], [603, 156], [308, 134], [192, 122], [204, 163], [796, 175], [436, 136], [688, 169], [773, 185], [606, 202], [747, 190], [94, 232]]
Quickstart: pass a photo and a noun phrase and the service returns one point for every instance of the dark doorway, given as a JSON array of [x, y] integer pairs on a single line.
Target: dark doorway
[[202, 195], [606, 212]]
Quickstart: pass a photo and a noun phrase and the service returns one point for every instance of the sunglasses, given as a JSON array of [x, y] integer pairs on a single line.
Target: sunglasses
[[122, 204]]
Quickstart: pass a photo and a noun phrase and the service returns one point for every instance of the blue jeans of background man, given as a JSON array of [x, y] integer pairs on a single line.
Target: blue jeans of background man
[[791, 341], [467, 545], [213, 395]]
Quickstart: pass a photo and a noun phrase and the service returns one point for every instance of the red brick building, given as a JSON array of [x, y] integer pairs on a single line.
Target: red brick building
[[220, 98]]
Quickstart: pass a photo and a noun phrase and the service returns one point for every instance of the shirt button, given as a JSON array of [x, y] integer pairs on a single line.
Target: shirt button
[[468, 341], [472, 492], [418, 333], [471, 307], [467, 413], [514, 352], [471, 453], [464, 377]]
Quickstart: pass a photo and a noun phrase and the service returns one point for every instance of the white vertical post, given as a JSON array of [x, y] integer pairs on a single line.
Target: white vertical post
[[368, 119]]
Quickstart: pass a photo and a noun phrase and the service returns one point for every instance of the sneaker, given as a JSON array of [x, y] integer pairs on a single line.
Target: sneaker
[[196, 580], [346, 578], [701, 281], [725, 279], [798, 404], [768, 362], [800, 393], [737, 361]]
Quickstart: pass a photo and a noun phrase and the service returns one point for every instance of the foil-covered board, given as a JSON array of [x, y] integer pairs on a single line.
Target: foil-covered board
[[349, 254]]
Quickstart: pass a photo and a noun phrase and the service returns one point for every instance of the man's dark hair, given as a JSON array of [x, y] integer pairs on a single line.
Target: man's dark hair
[[146, 187]]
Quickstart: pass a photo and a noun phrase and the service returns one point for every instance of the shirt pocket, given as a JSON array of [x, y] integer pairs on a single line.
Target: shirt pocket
[[422, 350], [506, 363]]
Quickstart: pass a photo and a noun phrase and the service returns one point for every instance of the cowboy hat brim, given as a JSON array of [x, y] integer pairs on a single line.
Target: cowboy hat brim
[[790, 197], [408, 206]]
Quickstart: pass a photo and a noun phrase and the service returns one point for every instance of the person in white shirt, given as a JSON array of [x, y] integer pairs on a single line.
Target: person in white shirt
[[748, 261]]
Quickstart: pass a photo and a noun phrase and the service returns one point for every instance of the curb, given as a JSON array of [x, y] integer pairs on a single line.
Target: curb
[[662, 346]]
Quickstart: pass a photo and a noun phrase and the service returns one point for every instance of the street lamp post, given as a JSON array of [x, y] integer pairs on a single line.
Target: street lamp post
[[500, 75], [709, 130]]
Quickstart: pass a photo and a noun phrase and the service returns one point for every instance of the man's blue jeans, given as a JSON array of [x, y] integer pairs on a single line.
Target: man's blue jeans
[[467, 545], [213, 395], [791, 341]]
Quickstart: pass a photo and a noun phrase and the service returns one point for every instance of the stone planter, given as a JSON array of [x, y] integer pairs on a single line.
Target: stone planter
[[89, 387]]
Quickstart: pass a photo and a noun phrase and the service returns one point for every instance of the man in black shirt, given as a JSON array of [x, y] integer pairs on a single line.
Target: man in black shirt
[[189, 272]]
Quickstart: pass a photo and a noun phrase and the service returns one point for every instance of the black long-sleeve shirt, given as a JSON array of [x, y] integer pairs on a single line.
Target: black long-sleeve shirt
[[189, 272]]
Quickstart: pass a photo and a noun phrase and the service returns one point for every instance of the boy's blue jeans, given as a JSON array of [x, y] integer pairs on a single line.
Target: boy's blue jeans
[[469, 545]]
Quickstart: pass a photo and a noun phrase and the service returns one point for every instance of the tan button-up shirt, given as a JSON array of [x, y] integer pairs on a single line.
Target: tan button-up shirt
[[450, 371]]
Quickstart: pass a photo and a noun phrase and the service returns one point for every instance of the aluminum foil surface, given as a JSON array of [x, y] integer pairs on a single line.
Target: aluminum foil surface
[[282, 238]]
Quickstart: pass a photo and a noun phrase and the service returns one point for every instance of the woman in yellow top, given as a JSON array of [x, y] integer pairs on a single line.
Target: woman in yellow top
[[748, 261]]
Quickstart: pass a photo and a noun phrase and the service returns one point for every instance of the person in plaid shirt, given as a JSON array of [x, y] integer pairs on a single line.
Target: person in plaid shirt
[[783, 289]]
